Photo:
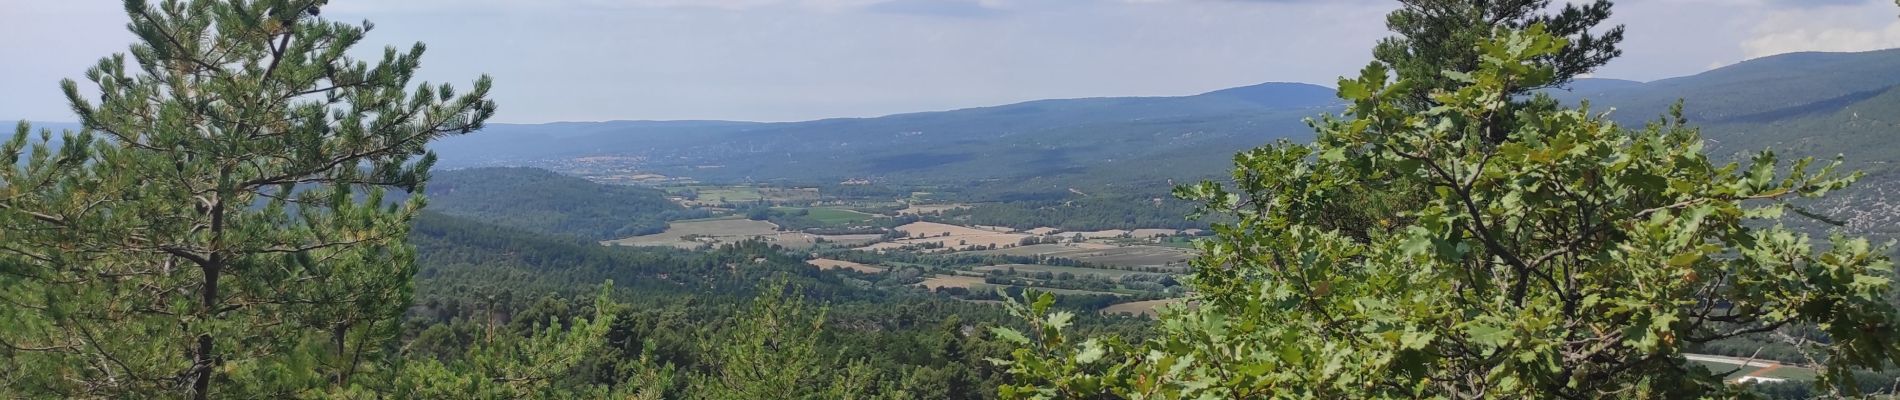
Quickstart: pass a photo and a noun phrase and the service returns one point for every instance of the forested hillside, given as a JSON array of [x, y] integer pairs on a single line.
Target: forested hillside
[[547, 202], [682, 307], [1050, 140], [1817, 104]]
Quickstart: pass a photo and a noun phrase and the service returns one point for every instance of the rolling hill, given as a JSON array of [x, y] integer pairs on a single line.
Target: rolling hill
[[1046, 138], [549, 203], [1803, 103]]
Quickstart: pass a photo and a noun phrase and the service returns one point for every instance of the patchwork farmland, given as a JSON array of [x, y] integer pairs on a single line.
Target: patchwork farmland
[[825, 263], [696, 233], [1032, 268], [1095, 253]]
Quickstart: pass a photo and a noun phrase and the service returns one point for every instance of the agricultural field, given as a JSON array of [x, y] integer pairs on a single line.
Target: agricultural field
[[1059, 291], [1031, 268], [847, 240], [1145, 234], [1179, 244], [731, 194], [960, 281], [933, 229], [713, 195], [694, 233], [1150, 233], [917, 209], [1146, 307], [825, 263], [1112, 233], [1096, 253], [833, 215], [952, 237]]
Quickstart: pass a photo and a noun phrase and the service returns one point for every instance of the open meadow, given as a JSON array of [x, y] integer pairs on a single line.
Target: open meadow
[[707, 195], [833, 215], [1095, 253], [692, 234], [952, 237], [1145, 307], [958, 281], [827, 264], [919, 209], [1031, 268]]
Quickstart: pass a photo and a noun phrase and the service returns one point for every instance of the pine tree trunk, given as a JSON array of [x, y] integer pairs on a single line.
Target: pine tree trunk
[[201, 384], [213, 267]]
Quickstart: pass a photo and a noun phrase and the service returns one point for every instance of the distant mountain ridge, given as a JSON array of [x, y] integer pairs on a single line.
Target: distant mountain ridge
[[1818, 104], [1041, 139]]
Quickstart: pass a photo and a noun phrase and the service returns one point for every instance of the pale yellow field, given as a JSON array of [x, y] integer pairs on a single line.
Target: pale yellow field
[[1140, 307], [1099, 234], [1099, 253], [915, 209], [849, 240], [826, 263], [1149, 233], [1144, 233], [944, 281], [706, 232], [960, 238], [932, 229], [1043, 231], [1029, 268], [722, 231]]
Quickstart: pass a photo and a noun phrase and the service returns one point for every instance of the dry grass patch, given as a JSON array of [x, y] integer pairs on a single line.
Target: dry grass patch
[[1053, 269], [918, 209], [1104, 254], [933, 229], [826, 263], [959, 281], [1146, 307], [1150, 233], [1111, 233], [952, 237], [692, 234]]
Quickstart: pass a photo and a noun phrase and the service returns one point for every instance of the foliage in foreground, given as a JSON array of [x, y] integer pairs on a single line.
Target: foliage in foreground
[[1575, 261], [219, 226]]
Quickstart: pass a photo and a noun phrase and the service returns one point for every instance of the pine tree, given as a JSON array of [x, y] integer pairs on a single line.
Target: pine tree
[[1435, 36], [220, 228], [552, 361], [772, 350]]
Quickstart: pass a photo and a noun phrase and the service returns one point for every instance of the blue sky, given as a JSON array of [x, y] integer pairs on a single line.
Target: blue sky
[[783, 60]]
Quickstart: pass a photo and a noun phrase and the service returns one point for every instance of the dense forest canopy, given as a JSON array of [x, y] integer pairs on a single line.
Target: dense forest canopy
[[547, 202]]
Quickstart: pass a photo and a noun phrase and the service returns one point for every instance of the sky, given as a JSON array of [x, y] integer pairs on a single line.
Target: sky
[[790, 60]]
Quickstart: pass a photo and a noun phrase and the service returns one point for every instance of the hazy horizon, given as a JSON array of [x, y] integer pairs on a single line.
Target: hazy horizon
[[799, 60]]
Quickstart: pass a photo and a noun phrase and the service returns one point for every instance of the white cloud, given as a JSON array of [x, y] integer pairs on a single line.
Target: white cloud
[[1850, 27], [803, 59]]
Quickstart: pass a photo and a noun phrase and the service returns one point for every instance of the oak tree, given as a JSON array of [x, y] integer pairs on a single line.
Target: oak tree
[[1578, 260]]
